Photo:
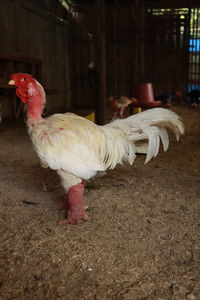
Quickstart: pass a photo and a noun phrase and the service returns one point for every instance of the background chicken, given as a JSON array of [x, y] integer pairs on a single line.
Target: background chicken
[[169, 98], [194, 98], [77, 148], [118, 106]]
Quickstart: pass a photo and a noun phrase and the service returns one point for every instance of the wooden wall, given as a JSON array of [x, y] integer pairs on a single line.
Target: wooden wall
[[170, 64], [82, 52], [122, 51], [63, 49], [33, 39], [122, 42], [167, 52]]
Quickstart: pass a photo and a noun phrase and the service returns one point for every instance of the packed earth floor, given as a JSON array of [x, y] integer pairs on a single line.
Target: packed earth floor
[[142, 239]]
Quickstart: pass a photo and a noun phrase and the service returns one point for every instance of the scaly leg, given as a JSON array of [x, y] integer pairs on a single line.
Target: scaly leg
[[75, 205]]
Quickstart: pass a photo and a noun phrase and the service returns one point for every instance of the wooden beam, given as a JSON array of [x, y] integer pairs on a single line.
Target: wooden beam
[[101, 63], [172, 3]]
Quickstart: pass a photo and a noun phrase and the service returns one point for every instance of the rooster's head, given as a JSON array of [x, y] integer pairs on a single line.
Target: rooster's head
[[25, 85]]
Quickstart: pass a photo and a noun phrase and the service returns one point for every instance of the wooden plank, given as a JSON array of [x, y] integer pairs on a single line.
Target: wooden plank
[[19, 58]]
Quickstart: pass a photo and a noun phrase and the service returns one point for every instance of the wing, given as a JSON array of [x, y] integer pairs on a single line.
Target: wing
[[69, 142]]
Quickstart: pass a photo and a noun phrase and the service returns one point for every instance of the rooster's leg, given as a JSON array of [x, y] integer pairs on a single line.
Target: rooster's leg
[[75, 205]]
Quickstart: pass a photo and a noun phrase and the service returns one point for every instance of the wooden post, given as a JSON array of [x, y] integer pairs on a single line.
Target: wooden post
[[18, 23], [101, 62]]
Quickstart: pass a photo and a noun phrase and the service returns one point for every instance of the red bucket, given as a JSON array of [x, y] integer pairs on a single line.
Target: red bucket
[[145, 95]]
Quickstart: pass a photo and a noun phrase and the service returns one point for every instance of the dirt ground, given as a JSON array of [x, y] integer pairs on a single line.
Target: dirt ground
[[142, 240]]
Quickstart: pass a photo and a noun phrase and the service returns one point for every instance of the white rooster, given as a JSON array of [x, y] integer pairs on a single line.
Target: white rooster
[[77, 148]]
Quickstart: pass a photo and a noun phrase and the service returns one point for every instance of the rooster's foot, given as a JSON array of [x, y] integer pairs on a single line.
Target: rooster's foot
[[75, 218], [75, 206]]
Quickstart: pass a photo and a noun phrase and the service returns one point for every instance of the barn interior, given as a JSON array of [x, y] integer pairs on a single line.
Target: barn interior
[[142, 240]]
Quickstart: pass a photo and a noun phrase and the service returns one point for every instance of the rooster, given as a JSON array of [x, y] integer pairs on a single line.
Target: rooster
[[77, 148]]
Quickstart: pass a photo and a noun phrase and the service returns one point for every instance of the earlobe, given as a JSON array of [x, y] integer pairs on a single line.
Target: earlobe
[[31, 89]]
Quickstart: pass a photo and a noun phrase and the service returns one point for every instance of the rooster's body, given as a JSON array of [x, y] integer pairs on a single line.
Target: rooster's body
[[77, 148]]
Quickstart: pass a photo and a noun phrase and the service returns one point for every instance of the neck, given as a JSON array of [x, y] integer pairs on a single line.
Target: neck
[[35, 104]]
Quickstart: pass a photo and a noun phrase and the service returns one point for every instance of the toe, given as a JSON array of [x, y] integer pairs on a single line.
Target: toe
[[74, 220]]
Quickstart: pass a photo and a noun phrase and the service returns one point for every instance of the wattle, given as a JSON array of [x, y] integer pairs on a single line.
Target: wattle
[[20, 93]]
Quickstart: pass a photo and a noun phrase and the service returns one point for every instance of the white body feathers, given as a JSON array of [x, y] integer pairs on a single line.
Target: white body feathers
[[69, 143]]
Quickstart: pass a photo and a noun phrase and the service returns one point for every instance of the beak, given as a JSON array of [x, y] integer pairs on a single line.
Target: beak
[[11, 82]]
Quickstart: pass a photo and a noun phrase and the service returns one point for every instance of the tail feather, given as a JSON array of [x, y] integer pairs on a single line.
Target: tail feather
[[151, 126], [164, 138]]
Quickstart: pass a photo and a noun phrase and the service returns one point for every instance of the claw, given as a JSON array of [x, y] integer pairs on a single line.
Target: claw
[[74, 220]]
